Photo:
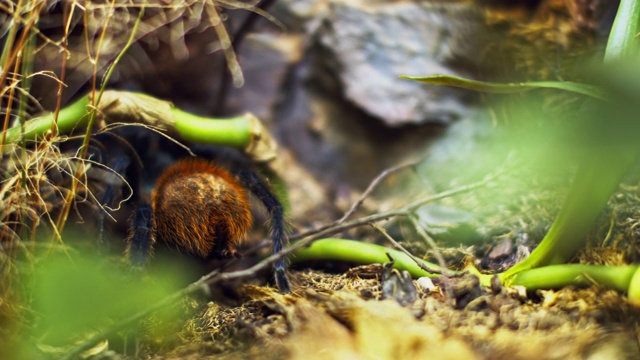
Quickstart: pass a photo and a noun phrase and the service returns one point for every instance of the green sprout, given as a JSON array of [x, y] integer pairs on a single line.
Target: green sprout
[[609, 153], [620, 278], [234, 132], [364, 253], [600, 172]]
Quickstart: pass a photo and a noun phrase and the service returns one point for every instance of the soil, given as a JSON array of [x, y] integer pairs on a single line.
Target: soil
[[346, 316], [346, 311]]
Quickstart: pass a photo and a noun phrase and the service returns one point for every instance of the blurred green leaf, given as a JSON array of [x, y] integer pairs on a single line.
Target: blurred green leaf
[[508, 88], [623, 39], [79, 295]]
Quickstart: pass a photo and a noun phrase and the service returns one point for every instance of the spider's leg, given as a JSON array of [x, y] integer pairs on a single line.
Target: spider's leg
[[245, 170], [260, 189], [140, 240], [111, 194], [119, 160]]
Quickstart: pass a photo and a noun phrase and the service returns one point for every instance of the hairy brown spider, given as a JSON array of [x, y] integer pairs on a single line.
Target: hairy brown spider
[[200, 207]]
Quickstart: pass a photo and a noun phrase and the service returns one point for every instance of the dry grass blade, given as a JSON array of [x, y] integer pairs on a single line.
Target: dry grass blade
[[225, 44]]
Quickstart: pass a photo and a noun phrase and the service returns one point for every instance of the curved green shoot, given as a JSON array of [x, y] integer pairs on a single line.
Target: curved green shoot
[[558, 276], [598, 174], [70, 117], [621, 278], [362, 253], [594, 182], [623, 39], [236, 132]]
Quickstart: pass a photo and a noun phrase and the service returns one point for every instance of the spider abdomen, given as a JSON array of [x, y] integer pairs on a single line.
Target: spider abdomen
[[201, 208]]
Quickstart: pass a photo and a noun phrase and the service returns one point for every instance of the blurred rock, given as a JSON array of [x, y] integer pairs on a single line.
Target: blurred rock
[[335, 140], [368, 45], [344, 112], [299, 15], [265, 59]]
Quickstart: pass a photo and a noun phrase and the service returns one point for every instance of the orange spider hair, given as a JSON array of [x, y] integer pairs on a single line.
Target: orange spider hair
[[200, 207], [203, 208]]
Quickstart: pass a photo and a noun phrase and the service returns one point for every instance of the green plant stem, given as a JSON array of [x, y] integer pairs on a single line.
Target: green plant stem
[[558, 276], [623, 42], [547, 277], [70, 117], [599, 174], [361, 253], [595, 181], [235, 132]]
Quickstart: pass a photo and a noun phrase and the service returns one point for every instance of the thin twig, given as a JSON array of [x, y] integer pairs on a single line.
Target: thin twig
[[409, 254], [446, 274], [360, 200], [423, 234], [404, 210], [373, 185]]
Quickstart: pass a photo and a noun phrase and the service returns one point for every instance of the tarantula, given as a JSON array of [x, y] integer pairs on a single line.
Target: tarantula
[[199, 205]]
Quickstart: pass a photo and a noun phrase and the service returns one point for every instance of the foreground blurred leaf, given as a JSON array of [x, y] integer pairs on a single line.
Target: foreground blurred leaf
[[508, 88], [78, 295]]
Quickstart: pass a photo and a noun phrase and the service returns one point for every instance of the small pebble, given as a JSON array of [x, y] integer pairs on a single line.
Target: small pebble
[[425, 283]]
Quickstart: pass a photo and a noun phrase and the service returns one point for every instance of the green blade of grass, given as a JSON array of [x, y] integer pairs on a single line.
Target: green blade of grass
[[623, 39], [508, 88]]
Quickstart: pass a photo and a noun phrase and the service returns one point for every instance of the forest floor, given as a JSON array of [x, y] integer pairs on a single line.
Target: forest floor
[[349, 316], [346, 311]]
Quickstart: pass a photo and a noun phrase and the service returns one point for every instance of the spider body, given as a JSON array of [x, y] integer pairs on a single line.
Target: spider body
[[200, 207]]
